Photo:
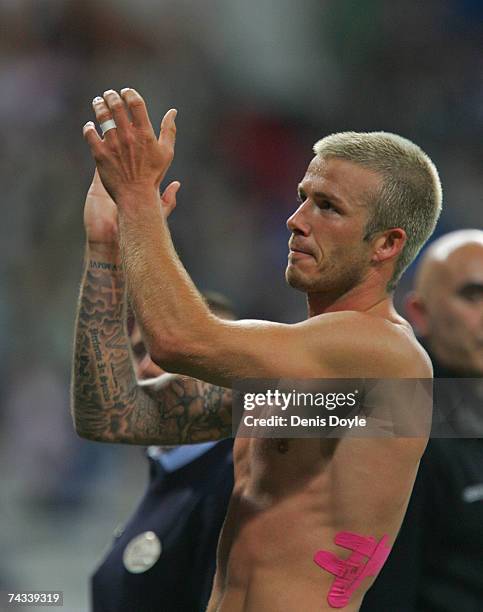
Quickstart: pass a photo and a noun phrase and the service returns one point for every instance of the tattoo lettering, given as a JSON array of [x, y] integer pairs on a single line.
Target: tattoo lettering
[[103, 265]]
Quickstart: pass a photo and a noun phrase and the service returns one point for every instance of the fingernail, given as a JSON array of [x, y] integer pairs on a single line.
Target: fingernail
[[97, 100], [124, 89], [108, 91]]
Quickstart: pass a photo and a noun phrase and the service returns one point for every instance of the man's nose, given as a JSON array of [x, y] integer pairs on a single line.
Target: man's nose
[[298, 222]]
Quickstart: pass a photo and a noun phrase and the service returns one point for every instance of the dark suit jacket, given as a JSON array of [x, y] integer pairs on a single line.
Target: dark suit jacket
[[186, 508], [436, 564]]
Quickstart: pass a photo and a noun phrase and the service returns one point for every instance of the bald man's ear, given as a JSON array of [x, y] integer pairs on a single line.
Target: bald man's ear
[[389, 245], [416, 312]]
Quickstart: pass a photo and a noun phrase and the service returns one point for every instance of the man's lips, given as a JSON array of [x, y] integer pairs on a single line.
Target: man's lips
[[299, 249]]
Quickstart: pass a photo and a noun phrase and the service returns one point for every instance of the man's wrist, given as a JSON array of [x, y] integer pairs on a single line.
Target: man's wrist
[[98, 253], [135, 200]]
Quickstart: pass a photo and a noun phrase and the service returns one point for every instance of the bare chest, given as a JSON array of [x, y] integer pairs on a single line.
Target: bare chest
[[279, 467]]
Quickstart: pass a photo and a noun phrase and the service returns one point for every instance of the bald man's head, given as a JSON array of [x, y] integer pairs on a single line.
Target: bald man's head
[[447, 304]]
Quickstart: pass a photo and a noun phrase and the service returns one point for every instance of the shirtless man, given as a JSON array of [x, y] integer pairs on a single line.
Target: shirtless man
[[367, 204]]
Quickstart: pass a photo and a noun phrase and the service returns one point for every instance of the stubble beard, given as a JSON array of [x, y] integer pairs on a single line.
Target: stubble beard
[[332, 280]]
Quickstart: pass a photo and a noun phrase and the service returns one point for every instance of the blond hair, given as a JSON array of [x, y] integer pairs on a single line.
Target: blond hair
[[411, 195]]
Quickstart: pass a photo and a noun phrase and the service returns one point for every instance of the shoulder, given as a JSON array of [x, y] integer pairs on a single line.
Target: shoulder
[[361, 344]]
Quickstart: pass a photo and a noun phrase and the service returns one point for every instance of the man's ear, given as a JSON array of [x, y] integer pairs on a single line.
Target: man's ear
[[389, 245], [417, 313]]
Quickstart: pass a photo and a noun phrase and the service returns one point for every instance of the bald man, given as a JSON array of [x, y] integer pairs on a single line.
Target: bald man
[[437, 562], [446, 307]]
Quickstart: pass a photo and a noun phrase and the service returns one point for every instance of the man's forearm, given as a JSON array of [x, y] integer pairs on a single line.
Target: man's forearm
[[106, 400], [169, 308], [103, 385]]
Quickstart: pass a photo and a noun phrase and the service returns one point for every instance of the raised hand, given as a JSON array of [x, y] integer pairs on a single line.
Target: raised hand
[[100, 213], [130, 159], [100, 216]]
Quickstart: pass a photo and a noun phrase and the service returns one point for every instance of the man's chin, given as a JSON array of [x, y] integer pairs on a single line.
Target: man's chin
[[296, 280]]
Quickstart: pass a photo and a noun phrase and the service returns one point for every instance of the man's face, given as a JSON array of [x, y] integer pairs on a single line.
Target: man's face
[[454, 311], [327, 250]]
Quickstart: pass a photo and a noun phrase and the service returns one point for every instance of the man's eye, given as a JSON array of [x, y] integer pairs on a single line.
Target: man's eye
[[326, 205], [473, 293]]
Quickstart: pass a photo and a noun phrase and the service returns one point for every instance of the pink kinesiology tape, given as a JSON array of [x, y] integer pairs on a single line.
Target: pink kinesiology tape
[[367, 558]]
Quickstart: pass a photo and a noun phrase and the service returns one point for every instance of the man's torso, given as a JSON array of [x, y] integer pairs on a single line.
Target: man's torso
[[289, 503]]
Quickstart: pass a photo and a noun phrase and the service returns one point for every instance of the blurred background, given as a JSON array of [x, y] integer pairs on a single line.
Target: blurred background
[[256, 84]]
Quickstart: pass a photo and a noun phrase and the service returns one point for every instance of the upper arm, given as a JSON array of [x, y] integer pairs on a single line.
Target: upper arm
[[190, 410], [336, 345], [174, 410]]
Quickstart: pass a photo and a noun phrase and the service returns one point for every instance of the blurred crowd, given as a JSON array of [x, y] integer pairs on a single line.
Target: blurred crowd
[[255, 83]]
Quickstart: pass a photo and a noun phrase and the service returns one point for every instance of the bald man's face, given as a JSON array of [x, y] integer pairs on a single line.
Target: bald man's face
[[450, 296]]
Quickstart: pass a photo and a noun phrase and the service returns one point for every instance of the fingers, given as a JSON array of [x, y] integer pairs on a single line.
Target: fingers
[[137, 108], [167, 134], [124, 141], [118, 110], [99, 185], [92, 138], [103, 113], [169, 197]]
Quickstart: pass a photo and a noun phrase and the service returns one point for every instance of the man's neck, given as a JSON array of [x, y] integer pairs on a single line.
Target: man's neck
[[366, 297]]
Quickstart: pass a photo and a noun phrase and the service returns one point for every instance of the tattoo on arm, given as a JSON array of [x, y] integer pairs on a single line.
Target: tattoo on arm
[[108, 404], [188, 411]]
